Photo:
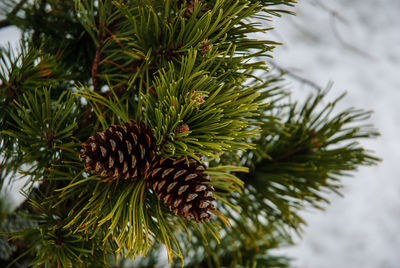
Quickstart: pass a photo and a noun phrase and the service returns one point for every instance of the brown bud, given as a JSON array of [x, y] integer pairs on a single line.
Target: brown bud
[[58, 242], [182, 128], [205, 46], [50, 135]]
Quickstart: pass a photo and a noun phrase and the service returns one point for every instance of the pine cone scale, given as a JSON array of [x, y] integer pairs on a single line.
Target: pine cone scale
[[190, 177], [182, 189], [171, 186], [166, 172], [179, 173], [103, 151]]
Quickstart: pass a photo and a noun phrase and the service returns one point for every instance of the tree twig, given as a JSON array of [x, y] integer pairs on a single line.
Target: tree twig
[[334, 17], [331, 11], [296, 76], [96, 60], [346, 44]]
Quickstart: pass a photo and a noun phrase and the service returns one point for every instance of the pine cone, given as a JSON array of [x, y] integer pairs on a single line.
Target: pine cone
[[181, 187], [120, 151]]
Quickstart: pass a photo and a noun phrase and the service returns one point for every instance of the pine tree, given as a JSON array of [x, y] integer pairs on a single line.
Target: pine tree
[[144, 126]]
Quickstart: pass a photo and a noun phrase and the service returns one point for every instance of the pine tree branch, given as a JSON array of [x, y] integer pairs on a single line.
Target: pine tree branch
[[191, 77], [96, 61], [292, 168]]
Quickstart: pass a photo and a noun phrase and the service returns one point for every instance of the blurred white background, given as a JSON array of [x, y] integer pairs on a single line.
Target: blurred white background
[[356, 45]]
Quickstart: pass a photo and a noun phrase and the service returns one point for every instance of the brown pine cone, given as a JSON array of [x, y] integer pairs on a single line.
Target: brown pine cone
[[182, 187], [120, 151]]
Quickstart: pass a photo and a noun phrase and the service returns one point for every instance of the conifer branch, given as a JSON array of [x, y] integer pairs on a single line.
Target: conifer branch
[[218, 163]]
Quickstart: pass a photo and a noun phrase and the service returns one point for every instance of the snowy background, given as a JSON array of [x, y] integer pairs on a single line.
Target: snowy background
[[356, 45]]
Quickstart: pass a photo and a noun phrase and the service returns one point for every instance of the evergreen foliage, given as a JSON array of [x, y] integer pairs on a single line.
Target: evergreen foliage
[[196, 75]]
